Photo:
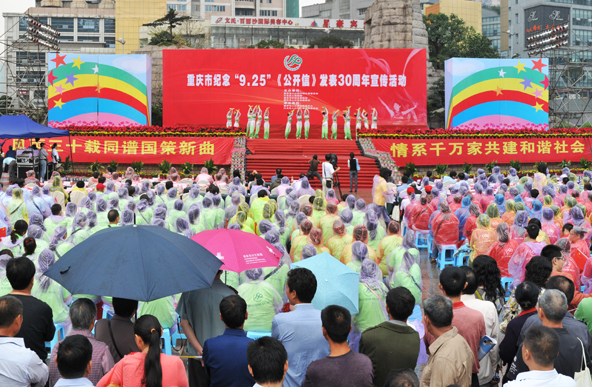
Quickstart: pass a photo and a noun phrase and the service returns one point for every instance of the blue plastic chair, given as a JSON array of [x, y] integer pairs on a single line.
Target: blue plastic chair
[[106, 314], [447, 259], [506, 282], [422, 240], [166, 336], [257, 335], [59, 335], [178, 335]]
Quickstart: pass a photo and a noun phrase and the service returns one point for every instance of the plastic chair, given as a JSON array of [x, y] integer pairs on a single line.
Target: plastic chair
[[462, 259], [404, 229], [257, 335], [506, 282], [178, 335], [106, 310], [166, 336], [444, 259], [422, 240], [59, 335]]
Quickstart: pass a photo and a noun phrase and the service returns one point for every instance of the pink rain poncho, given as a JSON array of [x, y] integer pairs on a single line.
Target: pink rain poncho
[[578, 220], [548, 225], [569, 264], [444, 226], [503, 249], [420, 216], [523, 254], [471, 222], [487, 199], [518, 230]]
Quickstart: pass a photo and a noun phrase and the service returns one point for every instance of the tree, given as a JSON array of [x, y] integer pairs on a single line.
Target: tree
[[494, 8], [170, 20], [436, 97], [331, 41], [163, 38], [268, 44], [450, 37]]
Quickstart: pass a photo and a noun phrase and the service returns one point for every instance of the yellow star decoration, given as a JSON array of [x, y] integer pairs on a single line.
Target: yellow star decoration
[[98, 89], [538, 106], [59, 103], [498, 91], [76, 62], [520, 67]]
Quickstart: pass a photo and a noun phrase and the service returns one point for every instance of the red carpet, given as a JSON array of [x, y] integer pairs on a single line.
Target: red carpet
[[292, 157]]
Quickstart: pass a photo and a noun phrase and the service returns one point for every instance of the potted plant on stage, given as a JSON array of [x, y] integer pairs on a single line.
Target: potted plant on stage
[[165, 167], [187, 169], [137, 166]]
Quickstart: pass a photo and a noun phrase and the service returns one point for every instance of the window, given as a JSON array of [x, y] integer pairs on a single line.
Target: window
[[30, 58], [109, 26], [491, 30], [490, 19], [88, 25], [244, 12], [267, 13], [66, 38], [110, 42], [325, 13], [215, 8], [581, 37], [209, 1], [63, 24], [581, 17], [208, 8], [362, 11], [182, 7], [517, 20], [88, 38]]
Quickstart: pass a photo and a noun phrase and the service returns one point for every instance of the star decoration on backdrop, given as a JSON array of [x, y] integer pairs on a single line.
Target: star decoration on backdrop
[[520, 67], [71, 78], [502, 73], [538, 107], [59, 89], [58, 103], [527, 83], [538, 65], [51, 78], [95, 69], [58, 60], [545, 83], [538, 93], [98, 89], [76, 62], [499, 91]]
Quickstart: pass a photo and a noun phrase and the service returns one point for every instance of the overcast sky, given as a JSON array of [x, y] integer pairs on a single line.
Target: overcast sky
[[22, 5]]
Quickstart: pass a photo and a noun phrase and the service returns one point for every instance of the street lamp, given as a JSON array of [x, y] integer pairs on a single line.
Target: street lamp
[[510, 34], [122, 41]]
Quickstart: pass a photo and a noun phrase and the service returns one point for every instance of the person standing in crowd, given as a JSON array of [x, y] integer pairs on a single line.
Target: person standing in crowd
[[268, 362], [118, 333], [74, 362], [343, 367], [380, 192], [200, 320], [328, 172], [20, 366], [300, 331], [377, 342], [354, 168], [43, 155], [451, 360], [83, 313], [224, 356]]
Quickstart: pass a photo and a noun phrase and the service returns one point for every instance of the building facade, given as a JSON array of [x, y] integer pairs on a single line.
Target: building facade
[[467, 10], [205, 9], [337, 9], [490, 27], [130, 15]]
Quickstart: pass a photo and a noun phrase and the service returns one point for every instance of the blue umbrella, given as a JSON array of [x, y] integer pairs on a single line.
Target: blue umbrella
[[141, 263], [337, 284]]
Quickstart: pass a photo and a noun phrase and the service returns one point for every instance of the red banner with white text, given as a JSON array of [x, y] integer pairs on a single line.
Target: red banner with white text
[[201, 86], [483, 150], [150, 150]]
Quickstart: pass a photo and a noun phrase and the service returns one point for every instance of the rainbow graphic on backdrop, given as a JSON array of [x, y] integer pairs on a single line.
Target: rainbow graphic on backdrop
[[497, 93], [109, 90]]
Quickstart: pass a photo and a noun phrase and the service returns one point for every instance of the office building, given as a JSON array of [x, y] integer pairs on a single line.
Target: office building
[[130, 15], [337, 9], [490, 21], [469, 11]]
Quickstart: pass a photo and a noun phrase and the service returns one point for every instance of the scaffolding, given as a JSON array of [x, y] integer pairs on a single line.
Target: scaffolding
[[23, 63], [570, 81]]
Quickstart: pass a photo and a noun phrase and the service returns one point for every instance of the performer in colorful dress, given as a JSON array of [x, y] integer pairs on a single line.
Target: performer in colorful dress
[[258, 123], [266, 124], [236, 118], [365, 119], [358, 120], [374, 119], [306, 123], [346, 126], [298, 123], [289, 124], [325, 131], [229, 118], [334, 125]]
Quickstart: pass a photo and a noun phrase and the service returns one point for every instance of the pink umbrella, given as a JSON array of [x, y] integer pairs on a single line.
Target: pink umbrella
[[239, 250]]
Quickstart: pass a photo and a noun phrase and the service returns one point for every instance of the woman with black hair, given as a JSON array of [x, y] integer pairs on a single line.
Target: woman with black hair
[[489, 285], [14, 241], [158, 370]]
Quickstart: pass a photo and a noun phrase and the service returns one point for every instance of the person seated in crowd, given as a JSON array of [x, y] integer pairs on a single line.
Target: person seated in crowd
[[21, 366], [524, 253], [267, 361], [342, 367], [402, 377], [263, 301], [118, 332], [31, 179]]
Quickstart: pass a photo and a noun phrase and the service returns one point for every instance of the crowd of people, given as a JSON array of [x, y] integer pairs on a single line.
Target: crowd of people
[[513, 311]]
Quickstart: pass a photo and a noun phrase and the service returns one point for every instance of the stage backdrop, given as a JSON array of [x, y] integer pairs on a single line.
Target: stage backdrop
[[497, 93], [109, 90], [200, 86]]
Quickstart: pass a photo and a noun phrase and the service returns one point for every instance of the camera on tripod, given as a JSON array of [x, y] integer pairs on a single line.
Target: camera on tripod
[[333, 159]]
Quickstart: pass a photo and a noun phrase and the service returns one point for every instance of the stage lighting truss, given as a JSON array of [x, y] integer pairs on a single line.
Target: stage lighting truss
[[548, 39], [43, 34]]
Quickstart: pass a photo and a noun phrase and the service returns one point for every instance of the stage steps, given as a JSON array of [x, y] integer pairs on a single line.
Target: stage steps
[[292, 156]]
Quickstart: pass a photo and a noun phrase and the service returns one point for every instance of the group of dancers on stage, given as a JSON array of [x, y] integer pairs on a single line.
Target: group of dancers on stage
[[256, 115]]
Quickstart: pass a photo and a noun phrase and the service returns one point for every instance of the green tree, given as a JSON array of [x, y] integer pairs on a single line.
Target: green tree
[[436, 99], [268, 44], [170, 21], [156, 115], [331, 41]]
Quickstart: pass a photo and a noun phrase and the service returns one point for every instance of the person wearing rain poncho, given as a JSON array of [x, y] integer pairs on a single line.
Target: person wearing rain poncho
[[244, 207], [241, 220], [204, 176], [51, 292], [264, 226], [578, 219], [570, 202], [305, 188], [371, 302], [350, 202], [308, 251], [285, 184], [263, 301], [37, 220], [72, 210], [58, 186], [494, 216], [508, 216], [257, 205], [318, 209], [194, 222], [127, 218], [193, 198], [326, 222], [5, 286], [277, 276], [297, 222], [279, 220], [171, 197], [54, 220], [123, 195], [78, 233], [387, 244], [487, 198], [482, 238], [7, 197], [462, 214], [471, 222], [267, 215], [58, 243], [408, 275], [524, 253], [301, 240], [220, 215], [540, 178], [102, 214], [175, 212], [36, 204], [375, 235], [208, 214], [500, 202], [503, 249], [306, 208], [419, 217], [144, 213], [579, 243], [346, 217], [47, 197], [182, 227], [316, 238], [339, 240], [16, 208], [548, 225], [518, 230], [86, 205], [360, 234], [380, 193], [231, 207], [37, 233], [444, 227], [163, 309], [14, 241], [91, 224], [536, 210], [109, 191], [359, 212]]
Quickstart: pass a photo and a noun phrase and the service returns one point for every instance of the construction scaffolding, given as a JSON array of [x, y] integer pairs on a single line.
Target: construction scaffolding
[[570, 73], [23, 64]]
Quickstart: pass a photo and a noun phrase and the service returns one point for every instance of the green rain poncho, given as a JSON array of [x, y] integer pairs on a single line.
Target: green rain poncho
[[144, 213], [372, 298], [241, 220], [263, 301], [267, 214], [326, 222], [163, 309], [359, 212], [389, 242], [257, 208], [193, 198], [318, 209], [244, 207], [17, 209], [49, 291], [395, 258], [208, 214], [301, 240], [175, 214], [336, 243]]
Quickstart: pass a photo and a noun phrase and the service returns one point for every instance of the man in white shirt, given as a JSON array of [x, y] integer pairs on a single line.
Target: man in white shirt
[[488, 364], [268, 362], [74, 362], [328, 172], [540, 348], [19, 366]]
